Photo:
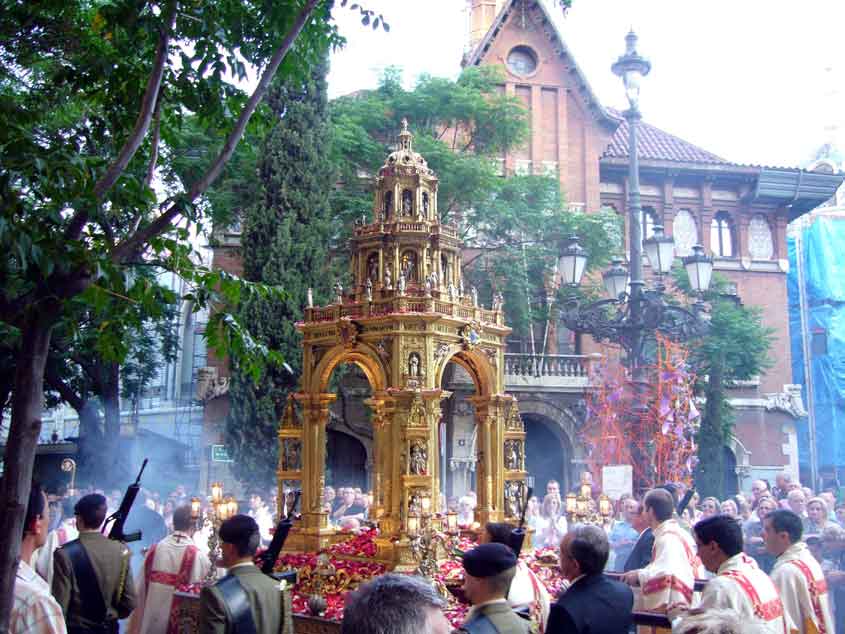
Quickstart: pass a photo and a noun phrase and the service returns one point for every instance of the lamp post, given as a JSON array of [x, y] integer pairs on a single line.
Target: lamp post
[[631, 67], [632, 314]]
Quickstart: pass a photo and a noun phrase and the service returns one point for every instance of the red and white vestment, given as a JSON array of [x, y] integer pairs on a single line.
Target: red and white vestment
[[803, 590], [740, 585], [172, 562]]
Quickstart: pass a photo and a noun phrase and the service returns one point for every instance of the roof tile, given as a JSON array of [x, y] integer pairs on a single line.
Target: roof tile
[[656, 145]]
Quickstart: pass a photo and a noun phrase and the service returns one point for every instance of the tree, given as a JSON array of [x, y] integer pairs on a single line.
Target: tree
[[284, 244], [90, 93], [91, 373], [513, 227], [735, 348]]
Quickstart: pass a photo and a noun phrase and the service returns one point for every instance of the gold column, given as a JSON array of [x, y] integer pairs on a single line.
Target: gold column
[[489, 415], [382, 411], [415, 421], [315, 414]]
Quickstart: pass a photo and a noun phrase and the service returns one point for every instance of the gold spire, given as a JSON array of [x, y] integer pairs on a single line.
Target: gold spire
[[405, 137]]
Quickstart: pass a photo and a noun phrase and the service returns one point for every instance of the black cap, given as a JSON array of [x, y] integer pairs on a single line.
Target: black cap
[[237, 528], [488, 560]]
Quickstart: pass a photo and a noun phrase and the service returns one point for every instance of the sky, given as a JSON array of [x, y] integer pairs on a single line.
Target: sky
[[754, 81]]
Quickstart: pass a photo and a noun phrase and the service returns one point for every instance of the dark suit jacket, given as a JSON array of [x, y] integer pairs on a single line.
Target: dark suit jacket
[[265, 598], [640, 556], [592, 605]]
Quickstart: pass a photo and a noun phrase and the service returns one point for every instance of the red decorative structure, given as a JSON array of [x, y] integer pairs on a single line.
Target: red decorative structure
[[658, 440]]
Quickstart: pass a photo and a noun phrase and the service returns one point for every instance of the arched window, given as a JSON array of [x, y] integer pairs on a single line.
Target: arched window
[[685, 233], [388, 203], [647, 222], [760, 243], [721, 235]]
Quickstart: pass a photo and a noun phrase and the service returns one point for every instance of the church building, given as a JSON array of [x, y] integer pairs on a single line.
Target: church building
[[739, 213]]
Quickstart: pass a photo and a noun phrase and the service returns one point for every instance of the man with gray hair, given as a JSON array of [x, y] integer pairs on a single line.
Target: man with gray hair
[[395, 604], [593, 603]]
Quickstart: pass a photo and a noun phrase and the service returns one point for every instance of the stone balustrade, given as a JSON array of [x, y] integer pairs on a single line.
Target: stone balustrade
[[548, 371]]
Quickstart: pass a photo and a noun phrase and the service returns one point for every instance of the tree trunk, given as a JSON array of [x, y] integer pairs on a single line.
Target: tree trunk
[[90, 444], [27, 402], [115, 468], [709, 473]]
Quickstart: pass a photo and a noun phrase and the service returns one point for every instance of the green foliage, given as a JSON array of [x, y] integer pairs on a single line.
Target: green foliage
[[459, 126], [736, 347], [514, 226], [518, 234], [284, 239]]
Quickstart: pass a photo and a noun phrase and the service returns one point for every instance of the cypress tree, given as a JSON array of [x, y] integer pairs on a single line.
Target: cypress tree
[[284, 243]]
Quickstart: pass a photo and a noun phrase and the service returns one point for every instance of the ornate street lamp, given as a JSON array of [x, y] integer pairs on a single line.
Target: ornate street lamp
[[660, 251], [699, 269], [632, 313], [573, 260]]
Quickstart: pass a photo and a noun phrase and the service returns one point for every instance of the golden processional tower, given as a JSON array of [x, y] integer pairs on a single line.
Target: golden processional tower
[[407, 314]]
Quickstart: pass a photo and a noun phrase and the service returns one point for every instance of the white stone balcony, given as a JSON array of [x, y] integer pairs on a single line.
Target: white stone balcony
[[549, 372]]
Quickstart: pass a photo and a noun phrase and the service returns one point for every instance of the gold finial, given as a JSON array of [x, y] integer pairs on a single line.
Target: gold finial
[[405, 136]]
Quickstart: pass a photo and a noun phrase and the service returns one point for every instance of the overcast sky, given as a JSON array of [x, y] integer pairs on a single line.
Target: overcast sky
[[745, 79]]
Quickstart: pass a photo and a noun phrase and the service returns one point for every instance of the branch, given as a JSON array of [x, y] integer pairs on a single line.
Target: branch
[[156, 141], [163, 222], [142, 125], [68, 395]]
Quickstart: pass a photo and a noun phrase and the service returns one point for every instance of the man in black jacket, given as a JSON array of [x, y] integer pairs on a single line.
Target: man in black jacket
[[593, 604], [640, 555]]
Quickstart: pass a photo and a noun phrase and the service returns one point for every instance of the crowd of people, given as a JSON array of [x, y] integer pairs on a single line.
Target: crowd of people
[[773, 561]]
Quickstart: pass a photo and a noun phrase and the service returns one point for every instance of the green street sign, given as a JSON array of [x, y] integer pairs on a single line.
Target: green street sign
[[220, 454]]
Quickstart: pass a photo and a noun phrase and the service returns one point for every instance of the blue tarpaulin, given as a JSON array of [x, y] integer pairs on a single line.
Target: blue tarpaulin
[[822, 272]]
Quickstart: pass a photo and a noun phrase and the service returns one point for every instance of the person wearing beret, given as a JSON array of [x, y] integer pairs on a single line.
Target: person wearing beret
[[488, 572], [593, 604], [245, 600]]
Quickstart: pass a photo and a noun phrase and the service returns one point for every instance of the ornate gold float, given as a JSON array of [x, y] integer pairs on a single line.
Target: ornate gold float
[[407, 314]]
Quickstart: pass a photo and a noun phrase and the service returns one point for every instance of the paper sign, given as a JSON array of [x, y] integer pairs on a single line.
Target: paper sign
[[616, 480]]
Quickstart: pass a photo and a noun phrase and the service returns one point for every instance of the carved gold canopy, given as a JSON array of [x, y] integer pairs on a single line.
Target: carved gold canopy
[[407, 314]]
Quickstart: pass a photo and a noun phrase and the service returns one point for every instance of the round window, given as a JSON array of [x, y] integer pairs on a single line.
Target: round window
[[522, 60]]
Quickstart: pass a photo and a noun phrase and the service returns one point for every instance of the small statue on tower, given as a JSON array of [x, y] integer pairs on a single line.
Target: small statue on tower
[[338, 293], [368, 290]]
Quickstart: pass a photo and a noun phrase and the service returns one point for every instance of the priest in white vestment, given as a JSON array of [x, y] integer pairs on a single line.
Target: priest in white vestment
[[172, 562], [797, 575], [739, 583], [667, 584]]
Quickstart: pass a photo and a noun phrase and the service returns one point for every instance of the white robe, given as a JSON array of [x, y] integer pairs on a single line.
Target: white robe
[[43, 558], [157, 582], [668, 582], [740, 585], [806, 603], [528, 591], [264, 519]]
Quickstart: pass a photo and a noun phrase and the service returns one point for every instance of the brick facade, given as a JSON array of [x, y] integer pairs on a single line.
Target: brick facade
[[573, 136]]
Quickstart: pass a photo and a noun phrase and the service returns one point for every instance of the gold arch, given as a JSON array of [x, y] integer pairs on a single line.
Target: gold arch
[[476, 364], [361, 355]]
